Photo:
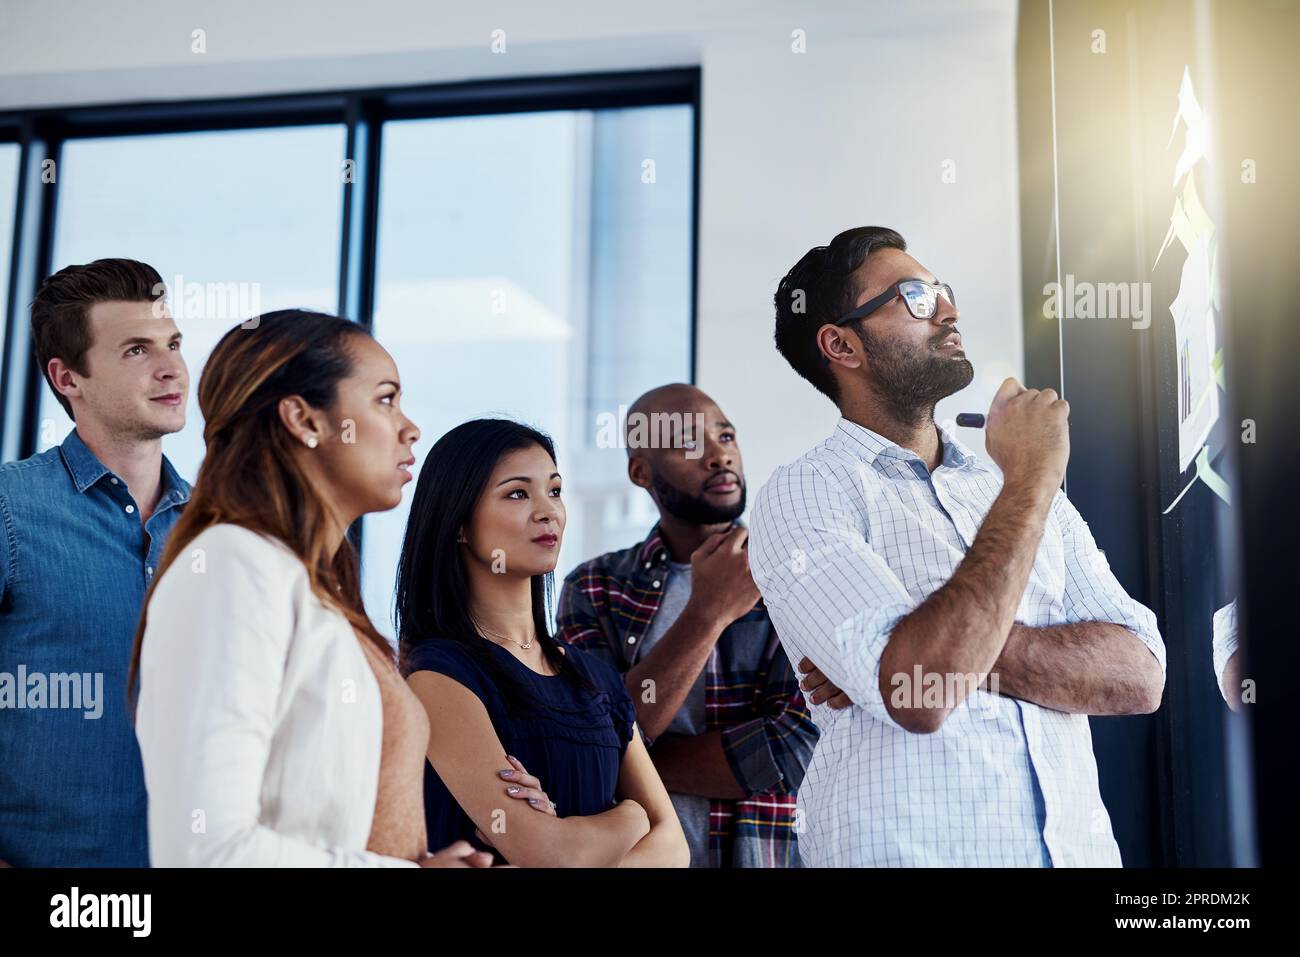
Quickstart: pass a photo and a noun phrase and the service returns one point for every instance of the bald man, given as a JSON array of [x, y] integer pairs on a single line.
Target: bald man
[[679, 615]]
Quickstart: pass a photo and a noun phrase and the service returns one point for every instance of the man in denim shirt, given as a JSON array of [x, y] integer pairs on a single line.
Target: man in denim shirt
[[84, 526]]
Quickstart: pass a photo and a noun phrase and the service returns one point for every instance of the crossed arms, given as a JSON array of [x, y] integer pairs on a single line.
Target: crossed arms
[[849, 613]]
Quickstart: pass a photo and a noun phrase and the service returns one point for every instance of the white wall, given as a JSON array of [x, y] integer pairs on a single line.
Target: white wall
[[794, 147]]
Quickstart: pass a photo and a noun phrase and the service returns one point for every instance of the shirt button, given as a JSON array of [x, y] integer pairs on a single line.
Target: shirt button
[[631, 639], [656, 583], [149, 571], [130, 509], [114, 481], [647, 564]]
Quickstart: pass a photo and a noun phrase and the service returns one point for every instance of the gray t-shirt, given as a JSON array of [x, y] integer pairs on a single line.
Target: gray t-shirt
[[692, 809]]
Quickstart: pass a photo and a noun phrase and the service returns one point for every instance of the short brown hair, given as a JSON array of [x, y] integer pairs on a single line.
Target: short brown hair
[[61, 309]]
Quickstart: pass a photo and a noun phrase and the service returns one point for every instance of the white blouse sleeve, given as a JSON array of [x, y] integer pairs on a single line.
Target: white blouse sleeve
[[212, 661]]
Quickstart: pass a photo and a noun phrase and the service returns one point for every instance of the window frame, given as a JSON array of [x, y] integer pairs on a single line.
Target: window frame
[[41, 134]]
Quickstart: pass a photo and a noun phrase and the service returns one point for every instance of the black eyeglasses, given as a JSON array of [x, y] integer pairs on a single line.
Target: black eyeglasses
[[920, 297]]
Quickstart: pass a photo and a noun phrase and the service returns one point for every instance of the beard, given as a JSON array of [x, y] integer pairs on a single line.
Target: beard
[[695, 509], [910, 381]]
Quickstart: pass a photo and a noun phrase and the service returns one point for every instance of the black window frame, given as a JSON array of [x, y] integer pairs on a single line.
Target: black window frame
[[41, 134]]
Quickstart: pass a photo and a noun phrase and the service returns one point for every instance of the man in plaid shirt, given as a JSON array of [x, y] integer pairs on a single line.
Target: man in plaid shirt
[[680, 617]]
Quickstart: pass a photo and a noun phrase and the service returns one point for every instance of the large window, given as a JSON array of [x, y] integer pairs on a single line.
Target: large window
[[521, 248], [535, 266], [237, 222]]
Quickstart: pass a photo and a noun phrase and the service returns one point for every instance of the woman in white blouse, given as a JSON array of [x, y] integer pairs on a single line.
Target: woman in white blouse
[[273, 725]]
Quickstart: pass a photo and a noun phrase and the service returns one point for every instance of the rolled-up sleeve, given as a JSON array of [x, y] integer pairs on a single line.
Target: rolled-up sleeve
[[1225, 641], [1092, 592], [831, 596]]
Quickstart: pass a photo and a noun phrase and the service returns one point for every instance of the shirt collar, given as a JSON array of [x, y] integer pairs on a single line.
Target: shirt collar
[[86, 469], [955, 454], [870, 446], [176, 491], [652, 551]]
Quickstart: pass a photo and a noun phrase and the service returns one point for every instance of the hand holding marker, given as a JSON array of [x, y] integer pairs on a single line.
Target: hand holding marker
[[970, 420]]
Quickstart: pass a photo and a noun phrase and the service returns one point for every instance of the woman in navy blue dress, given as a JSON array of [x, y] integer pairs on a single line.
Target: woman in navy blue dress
[[519, 723]]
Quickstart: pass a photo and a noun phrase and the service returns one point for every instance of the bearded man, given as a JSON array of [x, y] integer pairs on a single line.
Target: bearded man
[[962, 606], [679, 616]]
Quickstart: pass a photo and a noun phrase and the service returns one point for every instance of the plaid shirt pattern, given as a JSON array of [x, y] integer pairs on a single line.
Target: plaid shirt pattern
[[751, 695]]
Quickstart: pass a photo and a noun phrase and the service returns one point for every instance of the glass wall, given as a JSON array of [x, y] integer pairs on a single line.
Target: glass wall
[[535, 266], [237, 222]]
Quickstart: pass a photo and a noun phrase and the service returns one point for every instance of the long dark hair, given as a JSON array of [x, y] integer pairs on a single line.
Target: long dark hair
[[433, 596], [249, 476]]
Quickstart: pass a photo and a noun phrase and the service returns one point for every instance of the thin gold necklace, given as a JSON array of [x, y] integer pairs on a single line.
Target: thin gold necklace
[[526, 645]]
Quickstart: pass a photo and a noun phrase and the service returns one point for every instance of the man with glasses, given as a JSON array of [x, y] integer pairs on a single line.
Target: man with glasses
[[962, 606]]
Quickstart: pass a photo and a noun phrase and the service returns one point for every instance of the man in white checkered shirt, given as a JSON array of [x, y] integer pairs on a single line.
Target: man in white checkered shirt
[[961, 608]]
